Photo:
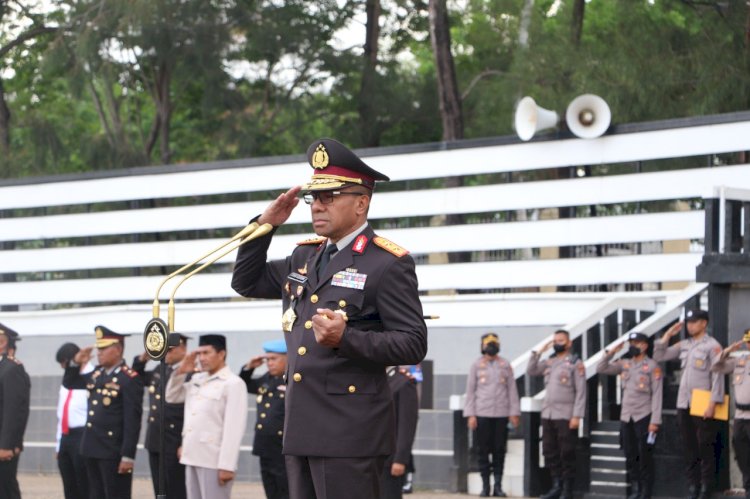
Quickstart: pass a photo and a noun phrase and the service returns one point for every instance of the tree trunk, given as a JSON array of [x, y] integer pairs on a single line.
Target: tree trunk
[[367, 106], [4, 124], [448, 94], [579, 7], [523, 25], [165, 113]]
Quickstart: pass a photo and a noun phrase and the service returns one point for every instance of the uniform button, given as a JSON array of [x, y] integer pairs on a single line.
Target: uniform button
[[109, 433], [280, 432], [171, 425], [98, 390], [352, 388], [308, 325], [153, 407], [342, 303], [270, 394], [88, 424], [259, 426], [281, 395], [151, 419], [314, 299], [262, 415], [302, 350], [297, 377], [268, 405], [158, 397], [94, 402], [91, 413]]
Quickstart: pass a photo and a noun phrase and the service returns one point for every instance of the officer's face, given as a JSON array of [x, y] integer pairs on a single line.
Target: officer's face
[[176, 354], [109, 356], [3, 344], [562, 339], [211, 359], [696, 327], [640, 345], [276, 363], [341, 216]]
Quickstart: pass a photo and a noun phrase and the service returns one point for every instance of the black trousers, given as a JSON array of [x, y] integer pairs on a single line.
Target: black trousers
[[698, 436], [273, 474], [638, 453], [8, 481], [492, 441], [174, 474], [741, 445], [334, 477], [72, 466], [559, 448], [104, 480]]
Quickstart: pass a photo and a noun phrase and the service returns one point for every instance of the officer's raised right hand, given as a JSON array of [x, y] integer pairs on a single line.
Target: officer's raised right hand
[[733, 347], [672, 331], [546, 346], [281, 208], [256, 361], [188, 363]]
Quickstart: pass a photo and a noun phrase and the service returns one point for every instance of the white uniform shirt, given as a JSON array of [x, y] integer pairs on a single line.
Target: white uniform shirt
[[79, 404], [215, 417]]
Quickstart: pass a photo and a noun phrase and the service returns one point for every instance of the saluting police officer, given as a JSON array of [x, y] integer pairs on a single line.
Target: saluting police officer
[[114, 421], [174, 479], [406, 404], [351, 308], [15, 395], [269, 426], [640, 415], [739, 368], [697, 355], [491, 401], [563, 408]]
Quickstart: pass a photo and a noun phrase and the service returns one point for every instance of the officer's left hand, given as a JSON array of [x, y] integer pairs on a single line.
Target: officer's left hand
[[515, 421], [653, 428], [398, 469], [328, 327], [574, 423], [125, 467], [6, 454], [225, 476], [709, 414]]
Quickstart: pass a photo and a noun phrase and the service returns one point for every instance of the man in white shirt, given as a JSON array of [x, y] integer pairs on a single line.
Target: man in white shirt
[[71, 420], [215, 418]]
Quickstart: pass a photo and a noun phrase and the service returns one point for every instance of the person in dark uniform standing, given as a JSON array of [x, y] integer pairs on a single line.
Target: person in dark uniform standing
[[114, 421], [406, 403], [563, 408], [640, 416], [15, 396], [174, 479], [351, 308], [491, 402], [739, 368], [697, 355], [269, 426], [72, 413]]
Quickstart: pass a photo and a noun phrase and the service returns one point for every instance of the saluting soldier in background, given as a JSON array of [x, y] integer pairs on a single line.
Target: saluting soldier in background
[[406, 404], [15, 395], [269, 390], [491, 401], [174, 479], [352, 309], [697, 355], [114, 422], [640, 415], [72, 413], [739, 368], [563, 408]]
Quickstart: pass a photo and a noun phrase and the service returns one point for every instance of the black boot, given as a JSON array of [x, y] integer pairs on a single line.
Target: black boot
[[555, 491], [646, 490], [498, 490], [693, 491], [485, 485], [635, 489], [567, 492], [705, 493]]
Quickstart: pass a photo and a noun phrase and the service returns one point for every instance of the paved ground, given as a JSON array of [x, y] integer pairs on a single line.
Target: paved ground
[[50, 487]]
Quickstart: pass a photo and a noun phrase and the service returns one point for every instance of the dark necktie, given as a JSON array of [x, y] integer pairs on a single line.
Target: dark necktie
[[325, 258]]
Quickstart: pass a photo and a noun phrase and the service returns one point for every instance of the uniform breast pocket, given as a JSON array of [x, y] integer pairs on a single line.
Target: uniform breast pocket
[[700, 360], [564, 377], [625, 375], [350, 383], [346, 299], [738, 375]]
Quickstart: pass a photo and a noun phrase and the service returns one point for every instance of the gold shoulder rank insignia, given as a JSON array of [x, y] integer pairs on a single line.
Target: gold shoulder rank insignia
[[314, 240], [390, 247], [129, 371]]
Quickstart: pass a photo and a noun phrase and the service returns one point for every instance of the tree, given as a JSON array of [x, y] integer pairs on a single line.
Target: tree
[[449, 96]]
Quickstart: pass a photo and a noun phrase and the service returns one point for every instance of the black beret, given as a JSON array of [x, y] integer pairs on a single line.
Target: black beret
[[218, 341]]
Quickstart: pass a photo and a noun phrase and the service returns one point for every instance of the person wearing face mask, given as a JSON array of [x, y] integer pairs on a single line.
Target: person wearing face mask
[[640, 415], [563, 408], [697, 355], [739, 368], [491, 401]]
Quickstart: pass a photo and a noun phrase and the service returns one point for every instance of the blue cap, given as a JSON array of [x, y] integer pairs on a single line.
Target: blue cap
[[274, 346]]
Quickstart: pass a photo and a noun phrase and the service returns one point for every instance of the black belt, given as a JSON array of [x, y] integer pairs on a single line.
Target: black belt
[[75, 431], [744, 407]]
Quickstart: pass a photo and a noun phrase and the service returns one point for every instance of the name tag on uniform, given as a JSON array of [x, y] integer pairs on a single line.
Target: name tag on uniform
[[347, 279]]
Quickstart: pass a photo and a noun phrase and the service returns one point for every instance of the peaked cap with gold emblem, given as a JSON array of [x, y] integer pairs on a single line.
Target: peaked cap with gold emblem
[[105, 337], [336, 166], [489, 338], [9, 333]]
